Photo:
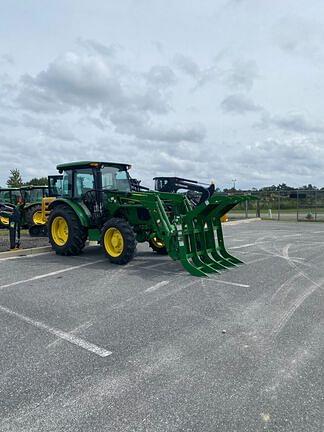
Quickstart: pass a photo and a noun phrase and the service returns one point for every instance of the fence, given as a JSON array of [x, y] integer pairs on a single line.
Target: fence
[[297, 205]]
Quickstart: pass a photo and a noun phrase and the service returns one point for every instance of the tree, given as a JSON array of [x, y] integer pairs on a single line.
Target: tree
[[14, 179], [37, 181]]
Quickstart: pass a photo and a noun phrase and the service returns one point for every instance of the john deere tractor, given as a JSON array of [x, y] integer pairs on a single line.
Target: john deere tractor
[[8, 196], [97, 203]]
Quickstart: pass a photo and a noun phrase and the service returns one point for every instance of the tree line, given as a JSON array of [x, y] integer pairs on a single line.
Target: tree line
[[15, 180]]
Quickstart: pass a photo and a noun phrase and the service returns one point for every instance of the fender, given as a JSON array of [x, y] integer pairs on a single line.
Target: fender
[[79, 208]]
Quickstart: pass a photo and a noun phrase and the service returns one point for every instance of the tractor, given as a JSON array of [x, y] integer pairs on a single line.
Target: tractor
[[98, 203], [8, 196], [197, 192], [33, 212], [32, 197]]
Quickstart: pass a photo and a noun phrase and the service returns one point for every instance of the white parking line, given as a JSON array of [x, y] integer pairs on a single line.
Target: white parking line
[[59, 333], [50, 274], [226, 282], [157, 286], [246, 245], [24, 256]]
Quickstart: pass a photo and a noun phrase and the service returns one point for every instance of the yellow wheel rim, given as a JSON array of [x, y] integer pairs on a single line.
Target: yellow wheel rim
[[113, 242], [157, 242], [60, 231], [37, 218], [4, 220]]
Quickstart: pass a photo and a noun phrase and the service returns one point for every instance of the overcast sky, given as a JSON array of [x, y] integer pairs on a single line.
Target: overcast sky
[[205, 89]]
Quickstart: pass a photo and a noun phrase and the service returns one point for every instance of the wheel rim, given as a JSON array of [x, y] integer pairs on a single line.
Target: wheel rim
[[60, 231], [4, 220], [157, 242], [37, 218], [113, 242]]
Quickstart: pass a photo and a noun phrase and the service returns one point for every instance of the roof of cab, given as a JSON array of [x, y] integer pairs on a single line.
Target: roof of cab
[[29, 187], [89, 164]]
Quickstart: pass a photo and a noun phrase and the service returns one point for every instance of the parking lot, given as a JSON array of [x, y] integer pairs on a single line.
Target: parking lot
[[91, 346]]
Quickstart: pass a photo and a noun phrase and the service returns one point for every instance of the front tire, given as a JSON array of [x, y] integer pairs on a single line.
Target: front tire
[[66, 234], [158, 246], [118, 241]]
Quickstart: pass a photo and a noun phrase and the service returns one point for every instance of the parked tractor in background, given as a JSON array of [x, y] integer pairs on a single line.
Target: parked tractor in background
[[29, 198], [11, 196], [98, 203], [196, 192], [32, 197]]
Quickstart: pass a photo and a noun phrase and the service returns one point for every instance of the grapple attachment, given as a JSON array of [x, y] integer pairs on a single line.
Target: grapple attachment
[[200, 236]]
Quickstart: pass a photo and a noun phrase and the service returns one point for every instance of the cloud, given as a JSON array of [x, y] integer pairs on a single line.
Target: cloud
[[187, 65], [139, 125], [239, 104], [300, 37], [241, 74], [7, 59], [87, 80], [292, 122], [280, 160], [161, 76]]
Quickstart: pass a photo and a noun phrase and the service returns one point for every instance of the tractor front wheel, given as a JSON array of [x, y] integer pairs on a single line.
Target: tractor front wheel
[[118, 241], [158, 246], [66, 234]]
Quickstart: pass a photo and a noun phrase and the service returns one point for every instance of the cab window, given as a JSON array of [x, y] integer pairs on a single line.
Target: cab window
[[83, 182]]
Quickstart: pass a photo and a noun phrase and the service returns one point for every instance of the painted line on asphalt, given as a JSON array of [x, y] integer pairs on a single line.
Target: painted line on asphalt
[[59, 333], [226, 282], [54, 273], [157, 286], [248, 245], [24, 256]]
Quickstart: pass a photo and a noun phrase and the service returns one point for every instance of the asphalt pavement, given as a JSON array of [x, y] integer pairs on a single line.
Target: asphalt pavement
[[91, 346]]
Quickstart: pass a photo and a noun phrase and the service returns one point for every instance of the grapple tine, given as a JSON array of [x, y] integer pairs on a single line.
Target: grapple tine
[[190, 254]]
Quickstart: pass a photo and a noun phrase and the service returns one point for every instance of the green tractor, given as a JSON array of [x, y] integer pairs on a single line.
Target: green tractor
[[32, 211], [98, 203], [8, 196]]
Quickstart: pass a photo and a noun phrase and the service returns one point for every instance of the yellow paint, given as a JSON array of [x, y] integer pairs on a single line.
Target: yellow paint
[[157, 242], [45, 212], [60, 231], [113, 242], [4, 220], [38, 218]]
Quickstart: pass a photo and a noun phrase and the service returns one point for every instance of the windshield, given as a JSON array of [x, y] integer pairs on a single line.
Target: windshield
[[114, 178], [55, 184], [33, 195]]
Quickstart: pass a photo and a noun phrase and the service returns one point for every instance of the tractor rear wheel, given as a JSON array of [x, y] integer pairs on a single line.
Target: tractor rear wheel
[[33, 215], [158, 246], [118, 241], [66, 234]]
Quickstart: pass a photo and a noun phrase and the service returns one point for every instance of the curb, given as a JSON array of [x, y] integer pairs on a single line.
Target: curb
[[25, 252], [243, 221]]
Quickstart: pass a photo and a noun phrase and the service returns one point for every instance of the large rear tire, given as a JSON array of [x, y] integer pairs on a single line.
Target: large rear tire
[[33, 215], [158, 246], [66, 234], [118, 241]]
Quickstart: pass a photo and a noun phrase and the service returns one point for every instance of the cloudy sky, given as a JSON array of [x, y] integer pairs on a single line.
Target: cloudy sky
[[205, 89]]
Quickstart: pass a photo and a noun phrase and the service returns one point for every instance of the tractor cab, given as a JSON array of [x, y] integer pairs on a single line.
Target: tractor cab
[[80, 179], [55, 185], [196, 192], [33, 194], [10, 195], [93, 182]]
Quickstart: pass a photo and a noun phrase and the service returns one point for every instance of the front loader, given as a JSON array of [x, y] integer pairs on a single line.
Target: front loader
[[98, 203]]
